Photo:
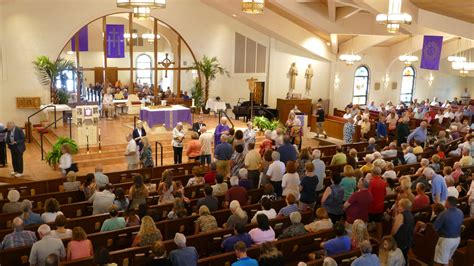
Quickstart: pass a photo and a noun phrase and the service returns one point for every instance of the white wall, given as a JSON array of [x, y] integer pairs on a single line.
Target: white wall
[[446, 84], [47, 25]]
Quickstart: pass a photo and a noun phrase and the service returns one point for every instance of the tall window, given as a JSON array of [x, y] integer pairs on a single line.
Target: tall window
[[144, 69], [361, 85], [408, 84]]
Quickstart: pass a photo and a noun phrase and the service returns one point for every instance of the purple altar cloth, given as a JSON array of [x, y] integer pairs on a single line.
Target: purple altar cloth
[[167, 117]]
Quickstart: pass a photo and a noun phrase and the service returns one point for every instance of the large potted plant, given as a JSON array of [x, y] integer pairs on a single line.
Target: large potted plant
[[52, 157], [49, 71], [197, 95], [209, 68]]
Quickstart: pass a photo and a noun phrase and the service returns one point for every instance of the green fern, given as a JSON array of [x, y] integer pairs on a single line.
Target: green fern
[[52, 157]]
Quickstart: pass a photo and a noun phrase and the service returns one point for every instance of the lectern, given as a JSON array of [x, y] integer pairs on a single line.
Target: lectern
[[86, 119], [284, 107]]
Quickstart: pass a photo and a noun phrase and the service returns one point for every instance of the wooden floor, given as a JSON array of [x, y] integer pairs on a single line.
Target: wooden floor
[[113, 137]]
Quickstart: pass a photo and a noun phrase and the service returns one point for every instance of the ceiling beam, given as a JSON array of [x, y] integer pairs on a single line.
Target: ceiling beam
[[347, 12], [361, 43], [334, 44], [446, 24], [332, 10]]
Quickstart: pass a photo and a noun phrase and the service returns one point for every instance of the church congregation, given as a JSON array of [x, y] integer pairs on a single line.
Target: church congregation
[[240, 132]]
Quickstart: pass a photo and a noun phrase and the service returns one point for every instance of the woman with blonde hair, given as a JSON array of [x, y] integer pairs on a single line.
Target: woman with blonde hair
[[206, 222], [167, 187], [348, 182], [198, 177], [148, 233], [238, 215], [146, 155], [138, 192], [71, 184], [322, 221], [389, 253], [405, 191], [359, 233], [79, 246]]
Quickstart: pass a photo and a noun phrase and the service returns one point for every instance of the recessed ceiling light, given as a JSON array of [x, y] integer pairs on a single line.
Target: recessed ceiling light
[[234, 15], [328, 43]]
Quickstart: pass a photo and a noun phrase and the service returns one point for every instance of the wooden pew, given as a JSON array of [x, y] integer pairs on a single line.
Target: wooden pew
[[62, 197]]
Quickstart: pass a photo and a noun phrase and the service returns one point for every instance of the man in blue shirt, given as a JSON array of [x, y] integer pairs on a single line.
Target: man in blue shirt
[[439, 190], [340, 244], [287, 150], [367, 258], [240, 235], [419, 134], [242, 258], [223, 153], [448, 224], [183, 255]]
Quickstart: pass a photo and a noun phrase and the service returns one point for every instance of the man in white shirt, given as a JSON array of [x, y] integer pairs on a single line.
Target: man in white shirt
[[319, 170], [275, 173], [131, 153], [102, 200], [206, 139], [46, 246], [177, 143], [434, 102], [100, 178], [391, 152]]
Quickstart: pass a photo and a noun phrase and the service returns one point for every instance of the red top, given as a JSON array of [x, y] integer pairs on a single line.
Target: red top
[[266, 145], [421, 201], [377, 187], [359, 209], [237, 193], [210, 177]]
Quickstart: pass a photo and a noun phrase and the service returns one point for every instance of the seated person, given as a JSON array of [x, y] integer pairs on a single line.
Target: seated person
[[108, 104], [340, 244], [296, 228], [114, 222], [71, 184], [240, 234], [322, 221], [267, 209]]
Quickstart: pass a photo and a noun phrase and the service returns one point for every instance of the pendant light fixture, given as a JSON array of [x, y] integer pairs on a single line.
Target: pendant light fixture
[[141, 8], [395, 17], [408, 59], [253, 6], [351, 58]]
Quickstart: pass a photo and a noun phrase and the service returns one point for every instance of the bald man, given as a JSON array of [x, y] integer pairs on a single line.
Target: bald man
[[16, 143], [19, 237]]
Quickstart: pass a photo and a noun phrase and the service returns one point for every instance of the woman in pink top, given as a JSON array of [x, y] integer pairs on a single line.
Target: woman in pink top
[[263, 232], [194, 147], [79, 246]]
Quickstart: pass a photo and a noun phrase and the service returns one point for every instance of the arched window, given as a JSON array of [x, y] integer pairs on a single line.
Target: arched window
[[144, 69], [361, 85], [408, 84]]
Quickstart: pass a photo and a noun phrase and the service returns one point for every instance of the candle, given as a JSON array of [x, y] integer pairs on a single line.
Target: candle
[[192, 104], [99, 131]]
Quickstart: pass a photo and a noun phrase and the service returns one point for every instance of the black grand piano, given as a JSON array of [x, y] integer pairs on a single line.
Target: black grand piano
[[242, 109]]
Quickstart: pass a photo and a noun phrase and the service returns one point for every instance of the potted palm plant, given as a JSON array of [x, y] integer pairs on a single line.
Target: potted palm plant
[[48, 71], [52, 157], [210, 68]]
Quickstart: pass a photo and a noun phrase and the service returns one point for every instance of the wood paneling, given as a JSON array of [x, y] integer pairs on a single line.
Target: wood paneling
[[458, 9], [284, 107]]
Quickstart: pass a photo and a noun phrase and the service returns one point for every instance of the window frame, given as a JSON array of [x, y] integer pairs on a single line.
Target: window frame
[[366, 95], [149, 69], [413, 83]]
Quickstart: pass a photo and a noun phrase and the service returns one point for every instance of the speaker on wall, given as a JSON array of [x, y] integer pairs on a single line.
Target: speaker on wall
[[377, 86], [394, 85]]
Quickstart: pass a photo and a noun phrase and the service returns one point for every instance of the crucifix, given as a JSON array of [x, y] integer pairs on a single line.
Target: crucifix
[[166, 64], [252, 86]]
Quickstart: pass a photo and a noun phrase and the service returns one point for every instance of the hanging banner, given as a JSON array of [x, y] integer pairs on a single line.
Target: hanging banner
[[83, 35], [114, 39], [431, 53]]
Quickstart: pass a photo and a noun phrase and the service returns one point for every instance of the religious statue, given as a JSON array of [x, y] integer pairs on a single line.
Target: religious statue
[[308, 75], [293, 73]]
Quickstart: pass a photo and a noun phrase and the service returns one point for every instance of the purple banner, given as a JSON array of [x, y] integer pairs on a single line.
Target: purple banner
[[83, 36], [115, 41], [431, 53]]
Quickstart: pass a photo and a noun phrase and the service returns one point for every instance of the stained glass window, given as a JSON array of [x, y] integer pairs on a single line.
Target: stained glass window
[[361, 85], [408, 84]]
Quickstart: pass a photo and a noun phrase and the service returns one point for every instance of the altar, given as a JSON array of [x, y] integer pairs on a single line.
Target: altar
[[166, 116], [60, 112]]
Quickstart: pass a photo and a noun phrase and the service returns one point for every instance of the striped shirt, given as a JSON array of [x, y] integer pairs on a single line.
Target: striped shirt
[[19, 238]]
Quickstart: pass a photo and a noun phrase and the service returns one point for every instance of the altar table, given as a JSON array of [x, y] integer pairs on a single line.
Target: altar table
[[167, 117], [215, 105], [60, 111]]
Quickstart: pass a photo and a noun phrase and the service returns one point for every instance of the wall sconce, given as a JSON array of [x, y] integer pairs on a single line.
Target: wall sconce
[[386, 81], [336, 81], [430, 79]]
